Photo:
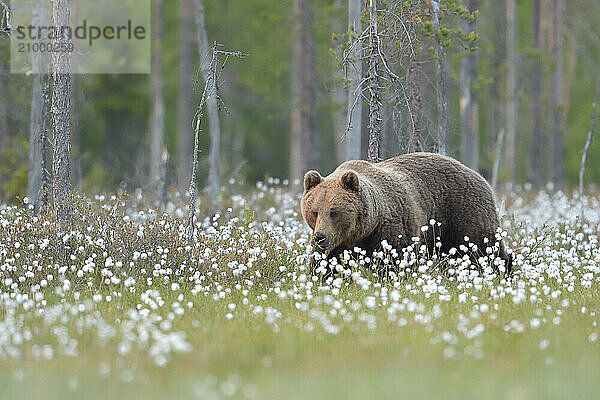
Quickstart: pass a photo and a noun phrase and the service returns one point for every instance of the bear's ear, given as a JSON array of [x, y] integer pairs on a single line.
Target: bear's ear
[[312, 179], [350, 180]]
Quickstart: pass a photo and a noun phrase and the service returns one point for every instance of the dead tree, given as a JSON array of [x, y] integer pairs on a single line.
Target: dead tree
[[46, 169], [61, 115], [441, 79], [185, 107], [212, 75], [511, 90], [76, 132], [557, 97], [198, 122], [304, 142], [354, 75], [5, 20], [499, 144], [416, 139], [397, 43], [535, 155], [4, 128], [5, 27], [374, 86], [157, 118], [588, 142], [38, 116], [469, 110], [212, 107]]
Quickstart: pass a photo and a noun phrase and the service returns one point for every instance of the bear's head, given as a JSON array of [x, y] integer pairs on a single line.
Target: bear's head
[[331, 206]]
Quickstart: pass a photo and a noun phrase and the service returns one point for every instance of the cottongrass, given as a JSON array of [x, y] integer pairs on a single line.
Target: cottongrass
[[126, 279]]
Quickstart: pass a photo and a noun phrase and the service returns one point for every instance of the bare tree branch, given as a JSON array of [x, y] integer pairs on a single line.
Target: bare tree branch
[[212, 76], [198, 119]]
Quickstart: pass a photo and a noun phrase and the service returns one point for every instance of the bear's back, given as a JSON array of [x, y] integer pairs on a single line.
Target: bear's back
[[448, 191]]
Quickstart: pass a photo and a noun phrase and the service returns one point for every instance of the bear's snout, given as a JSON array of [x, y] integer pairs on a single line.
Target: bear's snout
[[321, 240]]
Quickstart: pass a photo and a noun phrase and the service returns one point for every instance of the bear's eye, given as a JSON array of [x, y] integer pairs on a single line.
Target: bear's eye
[[315, 214], [332, 214]]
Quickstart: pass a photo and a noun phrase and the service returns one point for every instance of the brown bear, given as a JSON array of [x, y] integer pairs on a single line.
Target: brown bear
[[361, 204]]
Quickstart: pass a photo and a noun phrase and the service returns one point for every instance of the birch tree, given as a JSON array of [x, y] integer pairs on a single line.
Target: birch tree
[[535, 155], [76, 132], [304, 148], [511, 89], [212, 105], [352, 148], [39, 113], [397, 43], [185, 107], [4, 128], [469, 107], [557, 97], [374, 86], [157, 118], [61, 115], [441, 79], [5, 26]]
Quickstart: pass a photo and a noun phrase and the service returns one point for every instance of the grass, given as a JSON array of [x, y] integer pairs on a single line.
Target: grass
[[235, 316]]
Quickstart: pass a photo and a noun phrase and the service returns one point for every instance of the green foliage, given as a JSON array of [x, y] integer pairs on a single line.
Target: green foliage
[[113, 109], [13, 173]]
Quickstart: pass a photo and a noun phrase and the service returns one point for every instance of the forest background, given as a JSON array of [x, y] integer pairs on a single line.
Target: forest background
[[112, 114]]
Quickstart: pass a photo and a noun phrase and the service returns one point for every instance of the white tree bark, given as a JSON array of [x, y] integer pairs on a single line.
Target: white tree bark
[[588, 142], [499, 144], [4, 128], [304, 154], [469, 108], [441, 82], [38, 116], [212, 106], [511, 89], [197, 124], [5, 24], [352, 140], [185, 107], [61, 116], [157, 118], [557, 94], [374, 86], [535, 156]]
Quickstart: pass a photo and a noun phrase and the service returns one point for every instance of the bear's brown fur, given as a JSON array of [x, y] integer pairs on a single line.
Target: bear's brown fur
[[361, 204]]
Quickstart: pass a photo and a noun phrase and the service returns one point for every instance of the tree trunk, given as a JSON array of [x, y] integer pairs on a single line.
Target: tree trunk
[[61, 117], [304, 141], [416, 140], [157, 118], [352, 143], [374, 87], [535, 155], [557, 94], [75, 132], [4, 128], [212, 106], [469, 107], [38, 116], [511, 90], [185, 107], [338, 95], [495, 106], [441, 81]]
